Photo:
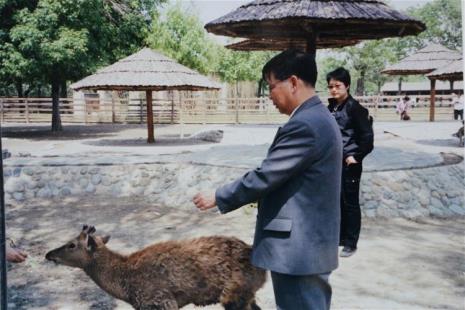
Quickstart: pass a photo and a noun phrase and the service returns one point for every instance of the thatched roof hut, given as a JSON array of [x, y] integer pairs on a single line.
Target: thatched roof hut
[[338, 21], [146, 70], [424, 61], [451, 72]]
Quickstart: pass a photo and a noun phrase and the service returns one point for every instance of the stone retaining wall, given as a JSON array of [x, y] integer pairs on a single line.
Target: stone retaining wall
[[437, 191]]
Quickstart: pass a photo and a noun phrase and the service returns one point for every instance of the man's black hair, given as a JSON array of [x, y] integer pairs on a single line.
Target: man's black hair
[[292, 62], [341, 75]]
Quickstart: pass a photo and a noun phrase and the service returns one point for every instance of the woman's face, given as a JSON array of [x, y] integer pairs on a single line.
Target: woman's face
[[337, 90]]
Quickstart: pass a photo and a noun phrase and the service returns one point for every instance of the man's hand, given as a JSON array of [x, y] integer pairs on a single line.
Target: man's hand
[[204, 202], [351, 160]]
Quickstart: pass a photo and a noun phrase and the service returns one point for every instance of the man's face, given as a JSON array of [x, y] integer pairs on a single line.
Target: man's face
[[280, 94]]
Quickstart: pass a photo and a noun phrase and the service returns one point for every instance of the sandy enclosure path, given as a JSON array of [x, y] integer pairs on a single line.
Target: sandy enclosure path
[[400, 264]]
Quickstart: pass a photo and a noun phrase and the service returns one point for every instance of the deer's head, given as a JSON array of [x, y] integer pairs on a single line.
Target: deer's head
[[78, 252]]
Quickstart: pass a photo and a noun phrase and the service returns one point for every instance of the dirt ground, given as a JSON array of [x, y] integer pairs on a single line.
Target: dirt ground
[[400, 264]]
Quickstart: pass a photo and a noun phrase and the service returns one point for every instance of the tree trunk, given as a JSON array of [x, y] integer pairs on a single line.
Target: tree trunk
[[19, 89], [56, 120], [63, 90], [361, 84]]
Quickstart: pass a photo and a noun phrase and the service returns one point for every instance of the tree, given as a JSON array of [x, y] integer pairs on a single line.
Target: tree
[[180, 35], [66, 39]]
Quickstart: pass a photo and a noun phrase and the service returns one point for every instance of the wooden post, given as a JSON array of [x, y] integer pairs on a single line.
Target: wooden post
[[172, 107], [26, 105], [1, 110], [85, 111], [237, 103], [311, 43], [181, 120], [432, 100], [141, 111], [204, 110], [113, 116], [148, 95], [451, 85]]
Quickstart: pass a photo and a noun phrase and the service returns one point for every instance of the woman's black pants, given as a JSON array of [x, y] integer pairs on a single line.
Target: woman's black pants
[[350, 205]]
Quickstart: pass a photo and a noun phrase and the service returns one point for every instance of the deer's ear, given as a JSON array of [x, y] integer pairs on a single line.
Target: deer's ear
[[91, 244], [105, 239]]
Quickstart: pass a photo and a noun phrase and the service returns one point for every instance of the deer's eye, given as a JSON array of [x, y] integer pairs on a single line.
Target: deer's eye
[[71, 246]]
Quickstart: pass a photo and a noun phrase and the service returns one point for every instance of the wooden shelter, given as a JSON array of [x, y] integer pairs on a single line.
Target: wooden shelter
[[451, 72], [148, 71], [425, 61], [312, 23]]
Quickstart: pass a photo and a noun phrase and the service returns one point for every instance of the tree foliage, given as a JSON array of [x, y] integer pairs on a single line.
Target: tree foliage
[[54, 41], [366, 60], [180, 35]]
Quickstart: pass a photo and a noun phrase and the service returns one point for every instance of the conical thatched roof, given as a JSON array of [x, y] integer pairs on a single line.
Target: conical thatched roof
[[424, 61], [452, 72], [336, 21], [146, 70]]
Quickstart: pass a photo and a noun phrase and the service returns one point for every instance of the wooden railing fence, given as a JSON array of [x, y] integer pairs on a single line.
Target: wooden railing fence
[[197, 110]]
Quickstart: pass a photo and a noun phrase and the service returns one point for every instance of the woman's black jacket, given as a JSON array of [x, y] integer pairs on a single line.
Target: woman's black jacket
[[356, 127]]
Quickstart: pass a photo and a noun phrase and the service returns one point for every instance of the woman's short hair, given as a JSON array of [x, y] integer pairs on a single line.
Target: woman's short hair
[[340, 74]]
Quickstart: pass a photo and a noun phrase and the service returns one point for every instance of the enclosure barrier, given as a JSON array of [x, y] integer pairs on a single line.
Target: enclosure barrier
[[197, 110]]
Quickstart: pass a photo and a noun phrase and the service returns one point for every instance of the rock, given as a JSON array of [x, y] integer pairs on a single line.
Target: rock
[[14, 185], [457, 209], [96, 179], [44, 193], [436, 203], [7, 172], [28, 171], [369, 205], [66, 191], [209, 135], [83, 182], [94, 170], [83, 171], [435, 194], [370, 213], [31, 185], [24, 154], [90, 188], [17, 172], [18, 196]]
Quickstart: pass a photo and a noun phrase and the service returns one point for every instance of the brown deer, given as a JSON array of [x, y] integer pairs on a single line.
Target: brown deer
[[168, 275]]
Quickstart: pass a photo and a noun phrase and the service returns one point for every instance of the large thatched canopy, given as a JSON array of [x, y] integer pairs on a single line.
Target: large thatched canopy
[[315, 21], [451, 72], [425, 60], [148, 71]]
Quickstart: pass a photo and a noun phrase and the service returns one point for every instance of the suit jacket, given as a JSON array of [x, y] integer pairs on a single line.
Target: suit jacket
[[297, 188]]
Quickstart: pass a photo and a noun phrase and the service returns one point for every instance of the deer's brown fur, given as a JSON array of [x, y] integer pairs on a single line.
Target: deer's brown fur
[[169, 275]]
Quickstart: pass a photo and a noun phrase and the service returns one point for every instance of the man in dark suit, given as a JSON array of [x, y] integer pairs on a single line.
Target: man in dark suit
[[297, 188]]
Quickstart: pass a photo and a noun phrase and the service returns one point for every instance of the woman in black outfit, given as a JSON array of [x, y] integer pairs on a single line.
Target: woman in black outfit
[[357, 138]]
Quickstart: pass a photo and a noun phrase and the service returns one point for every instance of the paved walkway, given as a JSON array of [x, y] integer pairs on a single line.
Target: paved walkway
[[397, 145]]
